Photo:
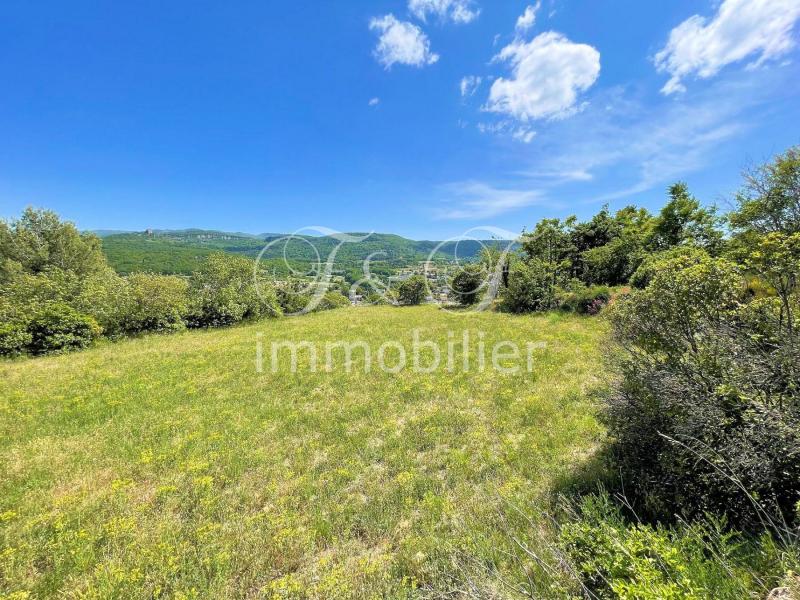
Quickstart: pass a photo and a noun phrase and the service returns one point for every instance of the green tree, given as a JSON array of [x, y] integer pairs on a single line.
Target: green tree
[[769, 201], [683, 221], [412, 291], [551, 247], [468, 284], [39, 241], [228, 289]]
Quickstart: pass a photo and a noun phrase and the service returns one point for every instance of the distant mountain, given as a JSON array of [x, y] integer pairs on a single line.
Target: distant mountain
[[102, 233], [182, 251]]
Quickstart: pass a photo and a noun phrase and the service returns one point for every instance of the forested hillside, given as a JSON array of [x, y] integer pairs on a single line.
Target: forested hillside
[[182, 252]]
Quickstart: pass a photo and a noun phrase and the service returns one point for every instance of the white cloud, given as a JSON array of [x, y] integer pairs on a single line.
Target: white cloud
[[401, 42], [548, 74], [457, 11], [527, 19], [374, 101], [740, 29], [524, 135], [478, 200], [470, 85]]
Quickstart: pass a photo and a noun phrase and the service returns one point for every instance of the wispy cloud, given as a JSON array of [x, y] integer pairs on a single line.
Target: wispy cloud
[[456, 11], [469, 85], [740, 29], [374, 101], [479, 200], [527, 19]]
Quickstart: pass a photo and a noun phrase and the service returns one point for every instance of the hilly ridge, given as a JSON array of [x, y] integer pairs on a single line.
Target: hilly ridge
[[181, 252]]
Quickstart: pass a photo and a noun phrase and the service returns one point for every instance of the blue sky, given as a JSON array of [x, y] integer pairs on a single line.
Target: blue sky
[[418, 117]]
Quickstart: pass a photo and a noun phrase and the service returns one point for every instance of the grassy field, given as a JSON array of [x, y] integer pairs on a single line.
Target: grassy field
[[168, 467]]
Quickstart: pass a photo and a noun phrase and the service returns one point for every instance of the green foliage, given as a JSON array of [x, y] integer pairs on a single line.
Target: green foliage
[[229, 289], [531, 287], [706, 416], [58, 328], [644, 274], [618, 560], [586, 301], [769, 201], [39, 241], [468, 283], [155, 303], [412, 291], [683, 221], [14, 338], [332, 300]]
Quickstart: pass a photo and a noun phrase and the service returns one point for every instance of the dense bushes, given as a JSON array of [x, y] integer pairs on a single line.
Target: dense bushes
[[154, 303], [58, 328], [14, 338], [57, 293], [707, 416], [226, 291], [530, 288]]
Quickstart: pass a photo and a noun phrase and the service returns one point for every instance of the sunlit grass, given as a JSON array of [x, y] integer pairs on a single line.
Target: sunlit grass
[[167, 467]]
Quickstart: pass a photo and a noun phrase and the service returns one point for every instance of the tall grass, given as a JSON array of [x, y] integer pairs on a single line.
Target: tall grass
[[166, 466]]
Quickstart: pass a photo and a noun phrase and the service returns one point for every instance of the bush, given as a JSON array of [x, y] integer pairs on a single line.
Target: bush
[[412, 291], [14, 338], [587, 301], [332, 300], [229, 289], [643, 275], [155, 303], [467, 285], [104, 296], [530, 287], [58, 328], [376, 299], [613, 263], [706, 415]]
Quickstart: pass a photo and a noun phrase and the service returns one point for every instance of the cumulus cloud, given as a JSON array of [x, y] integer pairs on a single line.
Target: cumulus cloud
[[470, 85], [478, 200], [548, 74], [457, 11], [401, 42], [699, 47], [528, 18]]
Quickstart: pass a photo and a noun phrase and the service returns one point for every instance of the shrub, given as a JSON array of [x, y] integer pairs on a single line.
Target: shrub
[[412, 291], [587, 301], [643, 275], [58, 328], [105, 296], [229, 289], [332, 300], [14, 338], [155, 303], [377, 299], [706, 417], [467, 284], [530, 287], [613, 263]]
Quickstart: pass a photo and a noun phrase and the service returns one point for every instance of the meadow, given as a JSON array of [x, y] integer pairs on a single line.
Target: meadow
[[167, 466]]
